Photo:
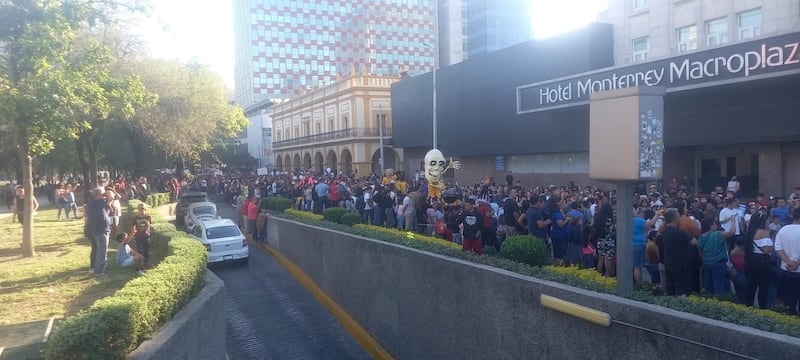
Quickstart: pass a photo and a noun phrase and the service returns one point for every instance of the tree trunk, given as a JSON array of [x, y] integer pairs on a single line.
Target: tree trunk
[[80, 147], [27, 184], [137, 147]]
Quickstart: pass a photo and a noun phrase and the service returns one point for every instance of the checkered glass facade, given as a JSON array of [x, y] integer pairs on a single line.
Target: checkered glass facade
[[290, 46]]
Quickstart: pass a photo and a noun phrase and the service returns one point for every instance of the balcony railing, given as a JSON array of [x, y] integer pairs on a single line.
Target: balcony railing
[[338, 135]]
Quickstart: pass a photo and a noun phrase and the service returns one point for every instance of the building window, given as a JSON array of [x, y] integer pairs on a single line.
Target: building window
[[716, 32], [344, 123], [687, 38], [749, 24], [639, 4], [640, 48], [330, 125]]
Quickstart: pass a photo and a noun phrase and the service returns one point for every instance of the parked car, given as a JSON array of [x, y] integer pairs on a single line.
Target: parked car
[[184, 200], [223, 240], [198, 212]]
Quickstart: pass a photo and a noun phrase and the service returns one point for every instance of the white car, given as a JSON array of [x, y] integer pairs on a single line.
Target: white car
[[199, 212], [223, 240]]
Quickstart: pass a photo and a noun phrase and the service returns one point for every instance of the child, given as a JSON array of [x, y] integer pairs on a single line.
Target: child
[[774, 226], [588, 253], [141, 232], [652, 258], [501, 230], [127, 257], [738, 262]]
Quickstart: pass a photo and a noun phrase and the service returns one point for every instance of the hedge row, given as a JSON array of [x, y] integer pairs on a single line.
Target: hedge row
[[114, 326], [589, 279], [275, 203], [157, 199]]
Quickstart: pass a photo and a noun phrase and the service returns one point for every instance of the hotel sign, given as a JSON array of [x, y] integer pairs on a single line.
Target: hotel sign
[[762, 58]]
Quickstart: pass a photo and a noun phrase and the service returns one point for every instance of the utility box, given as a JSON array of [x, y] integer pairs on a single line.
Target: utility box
[[626, 134]]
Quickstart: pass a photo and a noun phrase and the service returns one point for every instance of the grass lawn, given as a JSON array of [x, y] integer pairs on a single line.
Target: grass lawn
[[54, 283]]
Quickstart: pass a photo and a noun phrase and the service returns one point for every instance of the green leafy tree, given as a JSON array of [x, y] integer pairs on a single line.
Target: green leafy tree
[[41, 95], [191, 114]]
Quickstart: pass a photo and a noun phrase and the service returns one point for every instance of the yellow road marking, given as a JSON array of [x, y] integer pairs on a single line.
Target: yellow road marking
[[351, 325]]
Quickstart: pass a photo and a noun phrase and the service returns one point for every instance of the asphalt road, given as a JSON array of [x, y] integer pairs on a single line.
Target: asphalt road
[[271, 316]]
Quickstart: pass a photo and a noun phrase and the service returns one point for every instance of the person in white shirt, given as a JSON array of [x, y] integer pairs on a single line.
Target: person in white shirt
[[725, 214], [787, 246]]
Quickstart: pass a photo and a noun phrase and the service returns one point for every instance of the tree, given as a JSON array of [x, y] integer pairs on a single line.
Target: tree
[[191, 114], [40, 95]]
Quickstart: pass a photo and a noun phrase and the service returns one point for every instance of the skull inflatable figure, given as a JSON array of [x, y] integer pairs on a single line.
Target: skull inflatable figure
[[435, 167]]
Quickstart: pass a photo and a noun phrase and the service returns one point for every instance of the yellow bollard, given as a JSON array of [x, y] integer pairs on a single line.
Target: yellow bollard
[[578, 311]]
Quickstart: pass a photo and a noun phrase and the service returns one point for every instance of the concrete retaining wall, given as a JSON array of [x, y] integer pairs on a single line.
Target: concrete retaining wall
[[196, 332], [420, 305]]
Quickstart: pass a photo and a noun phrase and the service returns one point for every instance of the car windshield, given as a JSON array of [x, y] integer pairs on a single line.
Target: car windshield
[[192, 199], [204, 210], [222, 232]]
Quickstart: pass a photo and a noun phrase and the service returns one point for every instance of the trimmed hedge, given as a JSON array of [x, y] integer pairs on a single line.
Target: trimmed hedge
[[304, 214], [526, 249], [410, 235], [279, 204], [588, 279], [351, 219], [114, 326], [334, 214], [157, 199]]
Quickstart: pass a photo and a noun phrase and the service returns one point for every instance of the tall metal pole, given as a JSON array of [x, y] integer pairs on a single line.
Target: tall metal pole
[[435, 63], [624, 238], [434, 107], [380, 134]]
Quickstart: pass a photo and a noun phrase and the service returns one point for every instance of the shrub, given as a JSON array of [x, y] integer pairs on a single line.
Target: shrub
[[334, 214], [525, 249], [263, 203], [351, 219], [410, 235], [304, 214], [114, 326], [157, 199], [279, 204]]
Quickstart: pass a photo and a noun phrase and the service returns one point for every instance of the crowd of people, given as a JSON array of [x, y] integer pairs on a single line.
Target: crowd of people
[[684, 239]]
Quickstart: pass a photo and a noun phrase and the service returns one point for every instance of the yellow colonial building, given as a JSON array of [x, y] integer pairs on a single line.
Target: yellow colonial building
[[337, 127]]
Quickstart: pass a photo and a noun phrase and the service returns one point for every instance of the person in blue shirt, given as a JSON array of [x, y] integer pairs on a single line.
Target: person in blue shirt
[[126, 256], [781, 211], [641, 226]]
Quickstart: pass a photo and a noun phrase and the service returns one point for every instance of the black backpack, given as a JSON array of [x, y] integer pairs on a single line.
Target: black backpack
[[360, 203]]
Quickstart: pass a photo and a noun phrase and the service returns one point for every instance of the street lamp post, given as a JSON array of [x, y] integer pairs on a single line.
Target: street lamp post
[[434, 95], [380, 135]]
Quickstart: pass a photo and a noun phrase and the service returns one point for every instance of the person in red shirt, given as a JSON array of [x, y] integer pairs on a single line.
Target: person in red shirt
[[252, 215]]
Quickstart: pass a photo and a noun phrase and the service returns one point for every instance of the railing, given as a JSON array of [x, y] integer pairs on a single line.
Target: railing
[[335, 136]]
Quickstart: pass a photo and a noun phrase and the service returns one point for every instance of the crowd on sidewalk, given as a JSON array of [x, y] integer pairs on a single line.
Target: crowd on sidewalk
[[687, 240]]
